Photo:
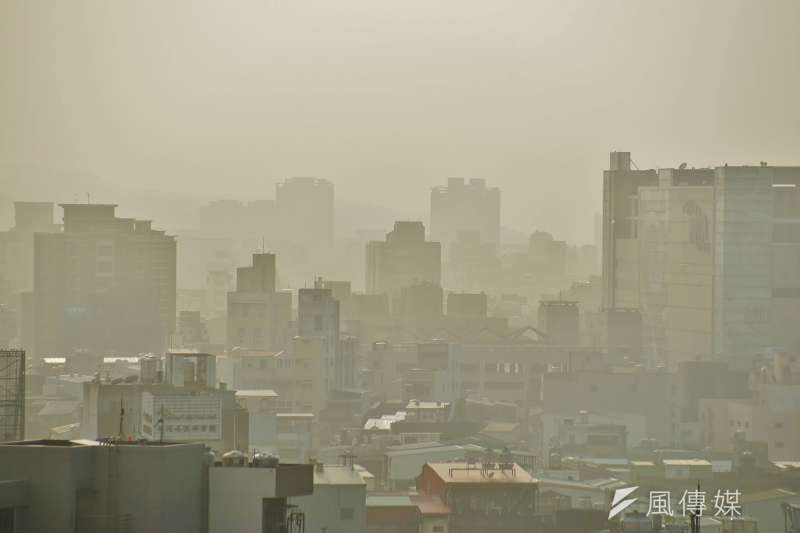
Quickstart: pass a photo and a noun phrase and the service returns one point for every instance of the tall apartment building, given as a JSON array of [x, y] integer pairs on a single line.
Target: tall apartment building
[[258, 316], [16, 247], [620, 266], [465, 207], [304, 207], [318, 317], [403, 260], [756, 258], [106, 284], [708, 256]]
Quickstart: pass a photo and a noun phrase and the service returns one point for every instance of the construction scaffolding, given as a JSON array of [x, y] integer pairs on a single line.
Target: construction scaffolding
[[12, 395]]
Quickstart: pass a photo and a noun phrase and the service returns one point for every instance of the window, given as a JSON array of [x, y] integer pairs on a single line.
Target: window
[[593, 388], [633, 387], [778, 425], [346, 513], [438, 529], [778, 444], [317, 322]]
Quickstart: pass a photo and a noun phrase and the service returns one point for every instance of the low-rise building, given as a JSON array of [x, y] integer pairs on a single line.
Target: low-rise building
[[250, 494], [483, 497], [338, 502]]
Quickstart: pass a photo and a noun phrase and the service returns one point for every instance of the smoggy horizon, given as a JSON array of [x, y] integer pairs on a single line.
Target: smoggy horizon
[[162, 108]]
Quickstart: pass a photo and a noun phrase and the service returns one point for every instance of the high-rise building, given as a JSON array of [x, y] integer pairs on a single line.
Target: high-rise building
[[620, 268], [106, 284], [462, 207], [318, 317], [258, 316], [403, 260], [756, 259], [708, 257], [304, 207], [16, 247]]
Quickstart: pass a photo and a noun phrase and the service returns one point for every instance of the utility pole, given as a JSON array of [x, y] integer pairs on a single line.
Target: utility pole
[[161, 421], [121, 416]]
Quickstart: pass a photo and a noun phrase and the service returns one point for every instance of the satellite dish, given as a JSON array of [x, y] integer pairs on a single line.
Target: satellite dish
[[683, 166]]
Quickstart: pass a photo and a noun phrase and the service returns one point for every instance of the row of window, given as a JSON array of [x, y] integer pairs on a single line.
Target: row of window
[[191, 428]]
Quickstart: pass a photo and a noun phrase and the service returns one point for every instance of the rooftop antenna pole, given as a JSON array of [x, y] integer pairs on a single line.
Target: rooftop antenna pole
[[161, 421], [121, 415], [88, 198]]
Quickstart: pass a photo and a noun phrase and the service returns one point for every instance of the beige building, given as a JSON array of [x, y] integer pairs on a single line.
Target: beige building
[[771, 416], [403, 260], [676, 267], [16, 247], [258, 316], [106, 284], [296, 374], [708, 256]]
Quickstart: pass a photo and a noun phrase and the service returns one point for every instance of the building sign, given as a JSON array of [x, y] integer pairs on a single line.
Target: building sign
[[184, 418]]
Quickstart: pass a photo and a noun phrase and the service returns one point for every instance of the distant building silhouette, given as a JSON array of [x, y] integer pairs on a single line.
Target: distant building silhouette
[[463, 207], [403, 260], [258, 316], [105, 283], [16, 247], [305, 210]]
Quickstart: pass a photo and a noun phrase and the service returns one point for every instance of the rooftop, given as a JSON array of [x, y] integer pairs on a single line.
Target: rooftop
[[473, 473], [686, 462], [389, 500], [416, 404], [428, 447], [256, 393], [337, 475], [767, 495], [427, 505]]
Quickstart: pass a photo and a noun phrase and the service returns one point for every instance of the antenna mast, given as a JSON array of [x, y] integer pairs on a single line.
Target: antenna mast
[[121, 416]]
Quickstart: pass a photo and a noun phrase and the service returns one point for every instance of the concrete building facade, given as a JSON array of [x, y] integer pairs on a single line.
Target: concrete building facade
[[403, 260], [66, 486], [464, 207], [258, 316], [105, 283]]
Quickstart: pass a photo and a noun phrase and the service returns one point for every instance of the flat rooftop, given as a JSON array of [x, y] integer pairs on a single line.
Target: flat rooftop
[[473, 473], [256, 393]]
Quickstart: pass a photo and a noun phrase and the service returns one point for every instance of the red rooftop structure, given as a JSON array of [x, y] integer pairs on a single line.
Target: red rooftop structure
[[488, 496]]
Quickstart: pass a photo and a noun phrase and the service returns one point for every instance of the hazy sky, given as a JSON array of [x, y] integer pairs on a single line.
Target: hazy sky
[[221, 99]]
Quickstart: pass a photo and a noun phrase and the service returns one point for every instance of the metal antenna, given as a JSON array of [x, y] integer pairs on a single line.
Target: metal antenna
[[121, 415], [161, 421]]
